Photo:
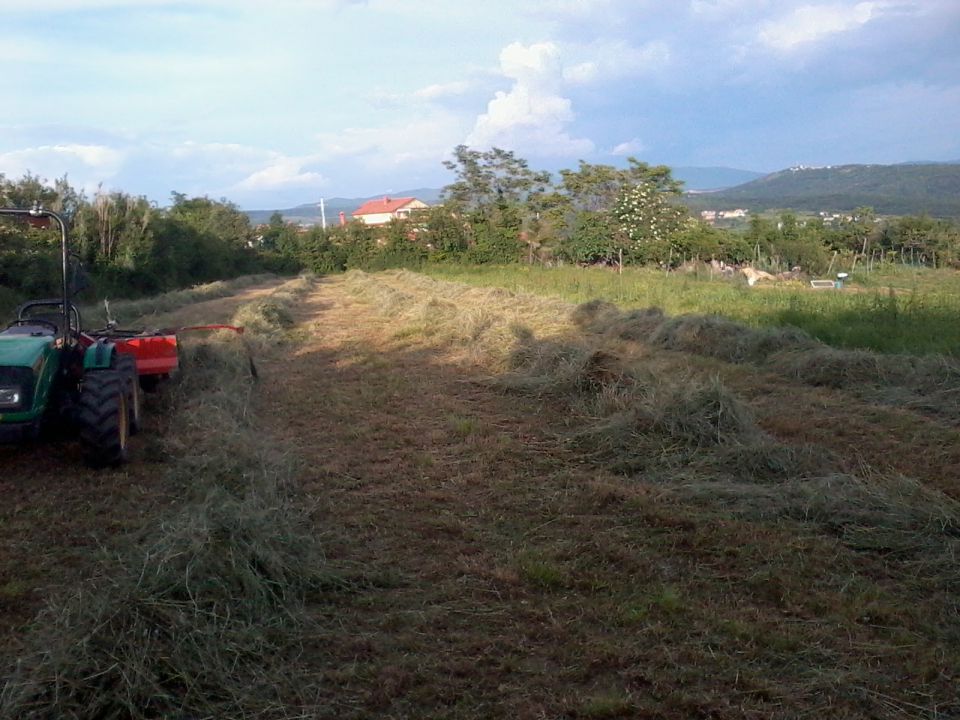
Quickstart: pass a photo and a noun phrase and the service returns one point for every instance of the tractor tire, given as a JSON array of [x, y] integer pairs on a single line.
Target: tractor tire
[[127, 366], [149, 383], [104, 418]]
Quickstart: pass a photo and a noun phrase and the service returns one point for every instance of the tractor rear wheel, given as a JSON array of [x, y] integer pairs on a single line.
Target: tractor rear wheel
[[104, 418], [126, 365]]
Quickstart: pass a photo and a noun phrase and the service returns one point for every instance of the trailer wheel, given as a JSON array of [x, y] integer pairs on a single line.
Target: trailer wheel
[[104, 418], [126, 365]]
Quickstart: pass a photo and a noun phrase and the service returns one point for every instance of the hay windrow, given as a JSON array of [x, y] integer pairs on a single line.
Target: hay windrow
[[126, 311], [185, 623], [201, 616], [688, 434], [727, 340], [928, 384], [637, 325], [705, 414]]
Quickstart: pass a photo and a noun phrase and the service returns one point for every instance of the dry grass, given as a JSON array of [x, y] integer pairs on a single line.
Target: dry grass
[[198, 619], [688, 432], [474, 319], [202, 615], [556, 521], [929, 384], [127, 311], [727, 574]]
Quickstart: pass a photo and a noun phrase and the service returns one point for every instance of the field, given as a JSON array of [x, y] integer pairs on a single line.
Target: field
[[897, 310], [449, 501]]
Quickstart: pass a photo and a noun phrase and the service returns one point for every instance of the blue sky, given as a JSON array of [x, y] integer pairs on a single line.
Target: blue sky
[[272, 104]]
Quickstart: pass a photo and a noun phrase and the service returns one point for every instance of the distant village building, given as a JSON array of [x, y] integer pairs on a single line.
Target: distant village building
[[383, 210], [711, 216]]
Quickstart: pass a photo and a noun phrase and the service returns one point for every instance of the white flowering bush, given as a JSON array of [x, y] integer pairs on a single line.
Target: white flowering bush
[[649, 222]]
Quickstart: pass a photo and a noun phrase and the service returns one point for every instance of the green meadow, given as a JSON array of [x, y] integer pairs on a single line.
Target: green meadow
[[896, 310]]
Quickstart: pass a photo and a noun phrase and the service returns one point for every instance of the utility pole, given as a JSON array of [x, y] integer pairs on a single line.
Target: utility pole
[[323, 215]]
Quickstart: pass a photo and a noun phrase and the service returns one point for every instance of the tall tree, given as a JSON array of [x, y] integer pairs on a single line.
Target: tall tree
[[487, 179]]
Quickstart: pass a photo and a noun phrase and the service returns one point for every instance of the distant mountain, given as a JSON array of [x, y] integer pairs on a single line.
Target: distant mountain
[[309, 213], [906, 189], [713, 178]]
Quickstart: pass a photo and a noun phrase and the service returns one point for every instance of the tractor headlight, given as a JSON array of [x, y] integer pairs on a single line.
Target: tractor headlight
[[10, 396]]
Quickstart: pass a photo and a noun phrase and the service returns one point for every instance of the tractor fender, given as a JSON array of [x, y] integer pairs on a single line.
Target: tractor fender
[[99, 356]]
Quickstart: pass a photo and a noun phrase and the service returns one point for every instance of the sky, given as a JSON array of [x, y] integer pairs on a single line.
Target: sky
[[274, 103]]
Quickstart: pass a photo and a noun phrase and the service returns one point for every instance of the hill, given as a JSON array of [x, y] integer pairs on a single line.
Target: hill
[[906, 189]]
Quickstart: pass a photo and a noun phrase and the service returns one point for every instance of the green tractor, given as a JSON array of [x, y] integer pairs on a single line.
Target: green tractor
[[53, 375]]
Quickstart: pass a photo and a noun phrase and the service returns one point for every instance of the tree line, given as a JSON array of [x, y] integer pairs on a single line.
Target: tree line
[[128, 245], [497, 210]]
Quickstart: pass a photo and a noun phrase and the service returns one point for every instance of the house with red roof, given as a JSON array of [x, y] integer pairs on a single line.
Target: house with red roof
[[383, 210]]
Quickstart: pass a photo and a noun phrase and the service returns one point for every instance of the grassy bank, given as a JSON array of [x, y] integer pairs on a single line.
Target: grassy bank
[[906, 311]]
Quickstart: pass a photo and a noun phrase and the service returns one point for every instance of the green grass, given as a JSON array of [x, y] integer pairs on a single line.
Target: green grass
[[896, 311]]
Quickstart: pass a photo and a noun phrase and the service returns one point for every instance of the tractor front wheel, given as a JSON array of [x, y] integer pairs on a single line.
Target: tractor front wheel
[[104, 418]]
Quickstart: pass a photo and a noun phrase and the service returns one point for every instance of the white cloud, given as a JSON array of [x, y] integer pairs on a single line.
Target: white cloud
[[614, 59], [442, 90], [532, 116], [280, 174], [424, 140], [226, 157], [55, 160], [630, 147], [809, 23]]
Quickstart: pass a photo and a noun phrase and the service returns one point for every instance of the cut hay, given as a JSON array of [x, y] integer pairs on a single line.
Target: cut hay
[[474, 319], [127, 311], [567, 370], [764, 461], [201, 616], [664, 424], [704, 414], [718, 337], [889, 514], [834, 368], [595, 315], [196, 622], [638, 325]]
